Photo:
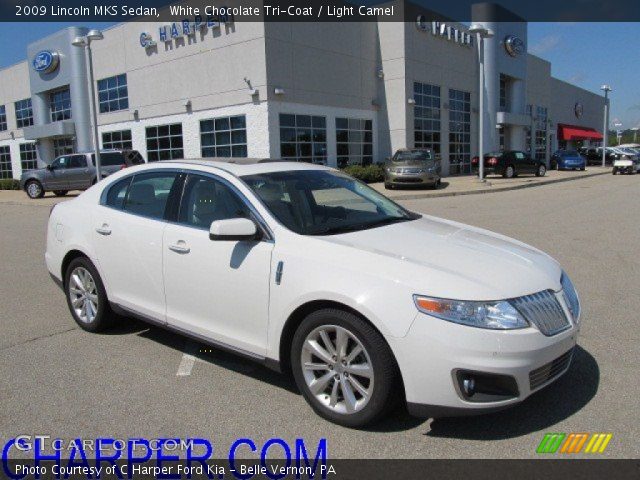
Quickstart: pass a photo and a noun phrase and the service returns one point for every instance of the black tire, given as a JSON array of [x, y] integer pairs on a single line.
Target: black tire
[[34, 189], [509, 172], [385, 369], [583, 169], [541, 170], [104, 317], [60, 193], [388, 186], [614, 171]]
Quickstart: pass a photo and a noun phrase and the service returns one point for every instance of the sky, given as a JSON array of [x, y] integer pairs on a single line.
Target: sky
[[585, 54]]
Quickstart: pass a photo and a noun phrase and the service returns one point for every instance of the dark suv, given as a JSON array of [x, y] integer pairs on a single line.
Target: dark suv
[[509, 164], [593, 155], [75, 171]]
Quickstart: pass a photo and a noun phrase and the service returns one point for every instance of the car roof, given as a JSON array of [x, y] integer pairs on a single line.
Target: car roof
[[242, 166]]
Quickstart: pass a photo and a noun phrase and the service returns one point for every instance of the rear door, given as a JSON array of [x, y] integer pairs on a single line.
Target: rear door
[[78, 173], [111, 162], [524, 163]]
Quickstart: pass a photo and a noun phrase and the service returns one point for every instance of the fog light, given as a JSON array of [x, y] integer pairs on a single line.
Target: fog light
[[469, 386]]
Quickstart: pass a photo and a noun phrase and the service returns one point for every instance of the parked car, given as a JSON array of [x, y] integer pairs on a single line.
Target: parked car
[[416, 166], [304, 269], [509, 164], [568, 160], [628, 164], [593, 155], [75, 171]]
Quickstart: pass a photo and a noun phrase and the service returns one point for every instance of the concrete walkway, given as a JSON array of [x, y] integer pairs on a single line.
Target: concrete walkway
[[466, 185], [469, 184]]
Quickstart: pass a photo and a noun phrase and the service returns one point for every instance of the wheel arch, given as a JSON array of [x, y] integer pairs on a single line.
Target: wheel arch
[[72, 254]]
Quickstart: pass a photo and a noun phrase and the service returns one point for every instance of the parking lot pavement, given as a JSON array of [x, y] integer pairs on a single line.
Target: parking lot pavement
[[61, 381]]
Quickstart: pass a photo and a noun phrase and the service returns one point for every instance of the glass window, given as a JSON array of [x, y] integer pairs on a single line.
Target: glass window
[[319, 202], [28, 156], [503, 91], [120, 139], [3, 118], [206, 200], [110, 159], [60, 105], [117, 193], [113, 94], [77, 161], [24, 113], [63, 146], [303, 138], [5, 162], [427, 117], [60, 163], [459, 132], [148, 194], [354, 141], [164, 142], [224, 137]]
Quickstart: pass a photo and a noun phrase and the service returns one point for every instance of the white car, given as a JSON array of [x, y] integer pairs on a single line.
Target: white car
[[307, 270]]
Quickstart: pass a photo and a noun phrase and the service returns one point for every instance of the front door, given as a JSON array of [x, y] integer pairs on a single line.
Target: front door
[[56, 174], [216, 289], [78, 173]]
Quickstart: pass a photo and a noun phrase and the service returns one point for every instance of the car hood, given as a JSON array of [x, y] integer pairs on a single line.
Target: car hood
[[413, 163], [447, 259]]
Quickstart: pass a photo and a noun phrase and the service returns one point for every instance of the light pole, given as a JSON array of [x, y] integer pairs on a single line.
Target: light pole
[[85, 41], [606, 89], [635, 134], [481, 33]]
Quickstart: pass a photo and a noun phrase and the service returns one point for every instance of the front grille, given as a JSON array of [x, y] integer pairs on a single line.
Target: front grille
[[410, 170], [544, 311], [551, 370]]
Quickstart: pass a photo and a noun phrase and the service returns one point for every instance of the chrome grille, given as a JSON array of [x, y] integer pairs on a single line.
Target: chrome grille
[[544, 311], [410, 170], [551, 370]]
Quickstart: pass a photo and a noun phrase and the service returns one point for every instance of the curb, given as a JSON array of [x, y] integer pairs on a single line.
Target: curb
[[419, 196]]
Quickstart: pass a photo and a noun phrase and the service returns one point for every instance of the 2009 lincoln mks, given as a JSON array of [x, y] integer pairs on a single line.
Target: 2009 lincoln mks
[[307, 270]]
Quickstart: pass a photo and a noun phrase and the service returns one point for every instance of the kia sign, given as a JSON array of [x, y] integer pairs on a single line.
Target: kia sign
[[46, 61]]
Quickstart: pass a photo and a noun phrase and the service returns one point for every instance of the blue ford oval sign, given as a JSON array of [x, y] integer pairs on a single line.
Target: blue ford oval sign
[[46, 61]]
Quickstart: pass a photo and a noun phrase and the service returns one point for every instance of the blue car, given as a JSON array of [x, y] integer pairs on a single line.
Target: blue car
[[568, 160]]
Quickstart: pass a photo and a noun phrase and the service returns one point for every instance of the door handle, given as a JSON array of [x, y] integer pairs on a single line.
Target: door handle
[[104, 229], [180, 247]]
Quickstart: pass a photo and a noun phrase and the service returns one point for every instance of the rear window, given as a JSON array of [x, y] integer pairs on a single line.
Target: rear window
[[109, 159]]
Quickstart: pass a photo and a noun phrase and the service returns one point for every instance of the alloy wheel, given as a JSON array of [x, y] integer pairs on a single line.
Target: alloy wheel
[[337, 369], [83, 294], [34, 189]]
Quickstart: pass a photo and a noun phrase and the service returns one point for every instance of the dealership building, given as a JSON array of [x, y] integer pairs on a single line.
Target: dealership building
[[334, 93]]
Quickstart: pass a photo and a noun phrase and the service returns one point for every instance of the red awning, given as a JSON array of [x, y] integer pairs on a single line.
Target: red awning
[[572, 132]]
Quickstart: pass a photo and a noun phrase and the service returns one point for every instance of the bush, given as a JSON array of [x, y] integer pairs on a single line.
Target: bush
[[9, 184], [368, 174]]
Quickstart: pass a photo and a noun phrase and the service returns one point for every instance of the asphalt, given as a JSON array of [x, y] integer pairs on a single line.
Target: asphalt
[[58, 380]]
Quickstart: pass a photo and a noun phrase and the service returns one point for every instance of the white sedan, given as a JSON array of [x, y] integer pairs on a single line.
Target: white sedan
[[309, 271]]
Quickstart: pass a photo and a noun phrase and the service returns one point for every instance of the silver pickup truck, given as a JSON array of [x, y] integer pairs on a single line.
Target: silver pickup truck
[[75, 171]]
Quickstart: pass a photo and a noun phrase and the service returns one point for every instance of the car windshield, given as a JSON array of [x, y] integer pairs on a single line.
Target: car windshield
[[320, 202], [569, 153], [421, 155]]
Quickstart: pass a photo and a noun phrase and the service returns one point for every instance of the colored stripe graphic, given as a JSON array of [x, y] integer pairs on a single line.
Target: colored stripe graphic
[[550, 442], [574, 442], [598, 443]]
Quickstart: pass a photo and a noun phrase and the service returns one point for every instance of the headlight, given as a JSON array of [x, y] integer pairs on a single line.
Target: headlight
[[499, 315], [570, 297]]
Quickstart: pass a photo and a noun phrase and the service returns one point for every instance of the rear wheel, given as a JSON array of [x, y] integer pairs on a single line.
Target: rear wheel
[[34, 189], [343, 367], [541, 171], [614, 171], [86, 296], [60, 193], [509, 172]]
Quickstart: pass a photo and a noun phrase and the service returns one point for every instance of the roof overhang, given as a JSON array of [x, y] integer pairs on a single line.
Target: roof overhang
[[508, 118], [64, 128]]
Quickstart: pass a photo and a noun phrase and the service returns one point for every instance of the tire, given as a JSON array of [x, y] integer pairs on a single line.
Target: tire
[[85, 276], [614, 171], [387, 186], [541, 171], [582, 169], [34, 189], [379, 392], [509, 172], [60, 193]]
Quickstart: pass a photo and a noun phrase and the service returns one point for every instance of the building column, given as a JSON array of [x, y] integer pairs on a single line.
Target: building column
[[517, 133], [40, 107]]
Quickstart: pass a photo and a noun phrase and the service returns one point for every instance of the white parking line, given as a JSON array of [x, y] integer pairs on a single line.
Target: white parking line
[[188, 359]]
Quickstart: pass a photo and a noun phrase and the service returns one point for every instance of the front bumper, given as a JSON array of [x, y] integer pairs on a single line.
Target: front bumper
[[434, 350], [429, 178]]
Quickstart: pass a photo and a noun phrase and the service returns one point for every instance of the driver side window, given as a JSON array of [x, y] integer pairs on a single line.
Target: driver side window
[[206, 200], [60, 163]]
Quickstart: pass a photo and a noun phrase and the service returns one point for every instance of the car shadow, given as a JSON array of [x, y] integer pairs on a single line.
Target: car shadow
[[409, 186], [542, 410]]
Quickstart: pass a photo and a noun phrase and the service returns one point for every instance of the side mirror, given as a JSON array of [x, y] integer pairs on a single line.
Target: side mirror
[[50, 167], [233, 229]]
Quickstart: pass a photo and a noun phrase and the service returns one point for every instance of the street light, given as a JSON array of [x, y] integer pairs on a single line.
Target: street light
[[85, 41], [606, 89], [481, 33]]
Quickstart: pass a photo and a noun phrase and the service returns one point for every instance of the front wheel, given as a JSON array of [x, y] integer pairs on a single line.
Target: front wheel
[[34, 189], [541, 171], [60, 193], [614, 171], [86, 296], [343, 367]]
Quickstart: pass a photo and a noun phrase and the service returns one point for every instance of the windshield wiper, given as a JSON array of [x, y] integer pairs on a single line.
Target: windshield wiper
[[360, 226]]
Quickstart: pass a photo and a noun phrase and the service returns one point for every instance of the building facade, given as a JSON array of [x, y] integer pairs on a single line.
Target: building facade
[[334, 93]]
